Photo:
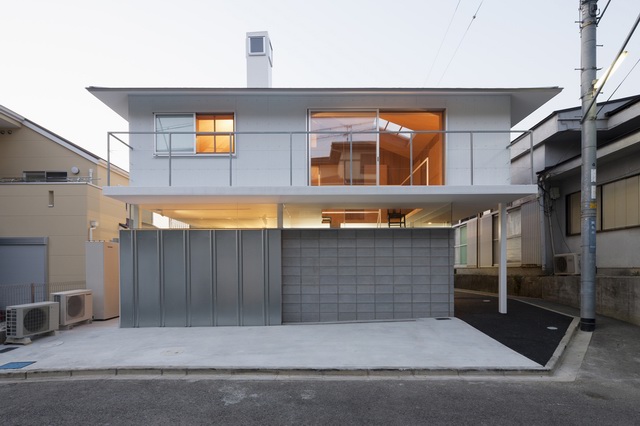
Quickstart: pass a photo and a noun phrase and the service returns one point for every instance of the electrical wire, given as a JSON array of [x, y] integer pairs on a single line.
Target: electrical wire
[[441, 43], [603, 11], [617, 87], [473, 18], [608, 73]]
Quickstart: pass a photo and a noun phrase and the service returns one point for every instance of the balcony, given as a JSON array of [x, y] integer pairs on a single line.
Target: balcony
[[314, 159]]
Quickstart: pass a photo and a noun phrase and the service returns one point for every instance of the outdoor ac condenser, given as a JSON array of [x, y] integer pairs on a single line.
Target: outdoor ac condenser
[[566, 264], [75, 306], [24, 321]]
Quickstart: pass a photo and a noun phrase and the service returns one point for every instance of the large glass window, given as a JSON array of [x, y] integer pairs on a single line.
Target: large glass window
[[343, 148], [182, 131], [376, 147]]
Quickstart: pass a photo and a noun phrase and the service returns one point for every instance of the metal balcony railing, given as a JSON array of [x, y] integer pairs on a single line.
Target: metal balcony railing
[[296, 145]]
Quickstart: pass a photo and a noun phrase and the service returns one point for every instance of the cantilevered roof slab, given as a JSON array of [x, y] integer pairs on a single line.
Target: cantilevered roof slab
[[464, 200]]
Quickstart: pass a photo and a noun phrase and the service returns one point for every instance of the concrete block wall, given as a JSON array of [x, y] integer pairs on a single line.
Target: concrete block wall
[[369, 274]]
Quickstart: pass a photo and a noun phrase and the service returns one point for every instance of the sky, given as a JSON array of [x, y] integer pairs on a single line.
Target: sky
[[53, 50]]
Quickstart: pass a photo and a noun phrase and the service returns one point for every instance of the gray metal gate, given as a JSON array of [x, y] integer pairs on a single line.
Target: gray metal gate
[[184, 278]]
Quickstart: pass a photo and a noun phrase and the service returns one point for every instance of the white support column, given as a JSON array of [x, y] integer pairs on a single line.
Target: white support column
[[134, 215], [502, 265], [280, 216]]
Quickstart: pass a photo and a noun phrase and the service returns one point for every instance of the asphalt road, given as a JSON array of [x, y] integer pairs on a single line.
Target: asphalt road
[[389, 402]]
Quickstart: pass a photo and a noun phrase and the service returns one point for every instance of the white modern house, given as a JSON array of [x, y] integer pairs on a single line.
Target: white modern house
[[305, 205]]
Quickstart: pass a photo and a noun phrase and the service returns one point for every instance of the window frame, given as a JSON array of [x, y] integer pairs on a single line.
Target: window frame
[[600, 209], [194, 151], [460, 247]]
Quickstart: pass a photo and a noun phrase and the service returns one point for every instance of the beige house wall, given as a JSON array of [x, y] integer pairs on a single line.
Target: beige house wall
[[24, 207], [27, 150]]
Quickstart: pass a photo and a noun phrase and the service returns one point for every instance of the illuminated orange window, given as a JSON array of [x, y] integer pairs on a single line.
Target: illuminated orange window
[[214, 144]]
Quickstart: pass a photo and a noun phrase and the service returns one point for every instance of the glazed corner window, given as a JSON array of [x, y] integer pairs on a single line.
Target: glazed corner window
[[192, 133]]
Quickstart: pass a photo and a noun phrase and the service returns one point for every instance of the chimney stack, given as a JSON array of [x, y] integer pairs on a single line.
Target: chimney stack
[[259, 59]]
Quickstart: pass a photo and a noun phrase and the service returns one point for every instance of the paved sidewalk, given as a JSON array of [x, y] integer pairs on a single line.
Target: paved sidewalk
[[421, 347]]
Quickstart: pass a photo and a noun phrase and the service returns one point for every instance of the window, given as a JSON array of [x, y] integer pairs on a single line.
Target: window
[[514, 236], [620, 203], [618, 206], [461, 246], [256, 46], [376, 147], [183, 133], [214, 144]]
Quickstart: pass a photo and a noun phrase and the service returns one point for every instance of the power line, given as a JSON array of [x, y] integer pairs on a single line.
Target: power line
[[603, 11], [441, 43], [606, 76], [617, 87], [461, 40]]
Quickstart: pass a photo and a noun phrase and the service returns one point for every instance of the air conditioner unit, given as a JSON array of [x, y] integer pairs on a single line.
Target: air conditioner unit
[[75, 306], [566, 264], [31, 319]]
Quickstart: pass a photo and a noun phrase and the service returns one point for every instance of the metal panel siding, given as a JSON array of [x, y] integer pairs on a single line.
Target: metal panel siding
[[174, 279], [274, 275], [253, 279], [201, 272], [530, 231], [227, 278], [200, 278], [148, 297]]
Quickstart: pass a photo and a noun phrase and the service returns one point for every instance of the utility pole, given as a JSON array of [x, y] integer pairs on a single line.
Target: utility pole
[[588, 15]]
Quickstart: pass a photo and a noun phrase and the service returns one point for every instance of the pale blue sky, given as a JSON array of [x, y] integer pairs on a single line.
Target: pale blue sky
[[52, 50]]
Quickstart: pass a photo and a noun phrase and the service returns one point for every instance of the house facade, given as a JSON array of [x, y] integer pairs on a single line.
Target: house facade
[[50, 198], [544, 229], [305, 205]]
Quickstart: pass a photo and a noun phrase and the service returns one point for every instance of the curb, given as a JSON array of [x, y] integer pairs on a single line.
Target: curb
[[146, 372]]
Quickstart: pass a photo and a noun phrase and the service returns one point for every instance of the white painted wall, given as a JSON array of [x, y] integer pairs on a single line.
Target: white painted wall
[[264, 160]]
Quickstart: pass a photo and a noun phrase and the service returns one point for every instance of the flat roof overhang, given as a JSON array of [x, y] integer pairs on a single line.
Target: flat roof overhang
[[465, 201], [524, 100]]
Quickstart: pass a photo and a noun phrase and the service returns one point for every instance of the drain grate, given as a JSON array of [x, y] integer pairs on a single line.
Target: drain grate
[[15, 365], [5, 350], [443, 319]]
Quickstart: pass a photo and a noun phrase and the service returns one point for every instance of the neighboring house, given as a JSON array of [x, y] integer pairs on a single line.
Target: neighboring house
[[544, 230], [287, 192], [50, 194]]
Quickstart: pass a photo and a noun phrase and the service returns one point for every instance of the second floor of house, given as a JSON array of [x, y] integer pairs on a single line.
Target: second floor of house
[[318, 137]]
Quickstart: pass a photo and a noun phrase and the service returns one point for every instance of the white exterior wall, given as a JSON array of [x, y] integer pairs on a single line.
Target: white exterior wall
[[490, 153], [264, 160]]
